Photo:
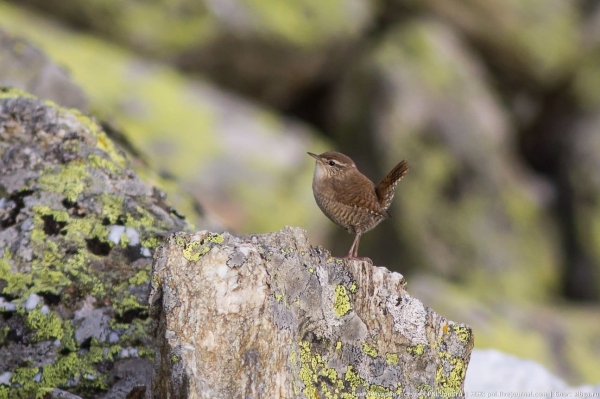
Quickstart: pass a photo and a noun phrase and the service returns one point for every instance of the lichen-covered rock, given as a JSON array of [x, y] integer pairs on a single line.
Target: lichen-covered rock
[[77, 233], [269, 316]]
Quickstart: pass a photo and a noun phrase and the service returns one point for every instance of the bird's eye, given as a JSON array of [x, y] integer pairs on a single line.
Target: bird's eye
[[331, 163]]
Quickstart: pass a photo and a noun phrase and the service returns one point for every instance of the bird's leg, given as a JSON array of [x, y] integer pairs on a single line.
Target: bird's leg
[[353, 253], [354, 248]]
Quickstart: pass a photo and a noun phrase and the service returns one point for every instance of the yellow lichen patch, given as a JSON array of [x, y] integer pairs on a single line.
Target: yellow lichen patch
[[463, 333], [353, 287], [353, 380], [416, 350], [449, 385], [341, 303], [194, 250], [99, 162], [391, 358], [313, 369], [140, 278], [425, 391], [180, 241], [216, 238], [330, 373], [399, 389], [379, 392], [293, 358], [150, 242], [338, 346], [106, 145], [278, 297], [369, 350], [24, 376], [112, 207], [307, 373]]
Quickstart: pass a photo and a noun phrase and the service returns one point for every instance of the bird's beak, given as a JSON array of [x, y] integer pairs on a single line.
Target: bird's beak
[[315, 156]]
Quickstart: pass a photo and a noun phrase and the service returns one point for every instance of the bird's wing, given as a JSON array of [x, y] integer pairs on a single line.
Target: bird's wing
[[360, 193], [386, 189]]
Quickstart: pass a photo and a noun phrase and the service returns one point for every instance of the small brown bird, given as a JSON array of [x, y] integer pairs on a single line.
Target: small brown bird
[[349, 198]]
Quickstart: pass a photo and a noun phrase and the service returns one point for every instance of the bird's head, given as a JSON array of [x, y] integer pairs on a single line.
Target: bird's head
[[331, 164]]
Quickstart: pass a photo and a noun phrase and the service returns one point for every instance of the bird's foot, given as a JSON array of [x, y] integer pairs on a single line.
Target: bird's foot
[[361, 258]]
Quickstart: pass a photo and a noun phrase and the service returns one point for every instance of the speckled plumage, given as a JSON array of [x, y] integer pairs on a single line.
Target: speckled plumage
[[349, 198]]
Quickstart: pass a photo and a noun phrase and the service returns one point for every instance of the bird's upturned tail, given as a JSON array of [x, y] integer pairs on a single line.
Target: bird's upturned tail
[[386, 189]]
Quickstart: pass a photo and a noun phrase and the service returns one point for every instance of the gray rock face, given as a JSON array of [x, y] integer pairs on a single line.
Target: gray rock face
[[73, 298], [269, 316]]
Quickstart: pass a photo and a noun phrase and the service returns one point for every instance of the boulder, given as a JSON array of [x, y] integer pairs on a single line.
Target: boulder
[[77, 232], [270, 316]]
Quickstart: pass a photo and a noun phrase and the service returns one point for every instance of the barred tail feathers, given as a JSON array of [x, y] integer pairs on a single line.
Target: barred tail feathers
[[386, 189]]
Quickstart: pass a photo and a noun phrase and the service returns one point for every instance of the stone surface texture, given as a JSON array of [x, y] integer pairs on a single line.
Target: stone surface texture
[[269, 316]]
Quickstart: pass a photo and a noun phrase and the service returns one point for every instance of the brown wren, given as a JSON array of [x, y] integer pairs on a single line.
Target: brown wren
[[349, 198]]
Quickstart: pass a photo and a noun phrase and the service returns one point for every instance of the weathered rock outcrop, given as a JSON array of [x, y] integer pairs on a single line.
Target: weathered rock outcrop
[[77, 232], [269, 316]]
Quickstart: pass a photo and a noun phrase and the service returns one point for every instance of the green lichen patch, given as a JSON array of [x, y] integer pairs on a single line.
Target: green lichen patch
[[69, 180], [341, 302], [44, 326]]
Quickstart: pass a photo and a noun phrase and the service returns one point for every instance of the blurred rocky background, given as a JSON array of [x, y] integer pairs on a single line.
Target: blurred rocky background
[[495, 104]]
